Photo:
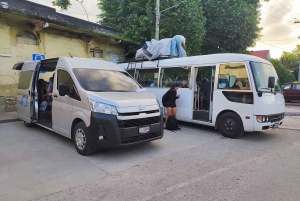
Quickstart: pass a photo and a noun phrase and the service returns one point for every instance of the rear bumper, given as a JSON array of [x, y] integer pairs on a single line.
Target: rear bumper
[[115, 134]]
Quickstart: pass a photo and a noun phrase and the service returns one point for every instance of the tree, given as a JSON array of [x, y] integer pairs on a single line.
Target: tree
[[283, 73], [63, 4], [232, 25], [137, 20], [290, 60]]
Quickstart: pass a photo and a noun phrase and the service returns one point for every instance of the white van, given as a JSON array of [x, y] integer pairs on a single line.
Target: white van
[[93, 102]]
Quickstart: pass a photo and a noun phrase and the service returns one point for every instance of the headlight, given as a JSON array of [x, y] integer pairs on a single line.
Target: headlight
[[262, 119], [102, 108]]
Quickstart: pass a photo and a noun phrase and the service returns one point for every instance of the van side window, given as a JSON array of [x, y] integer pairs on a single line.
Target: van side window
[[24, 79], [296, 86], [287, 86], [170, 76], [147, 77], [233, 76], [63, 77]]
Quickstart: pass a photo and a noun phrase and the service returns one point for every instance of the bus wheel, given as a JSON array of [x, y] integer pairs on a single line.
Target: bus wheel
[[231, 125], [29, 125], [83, 140]]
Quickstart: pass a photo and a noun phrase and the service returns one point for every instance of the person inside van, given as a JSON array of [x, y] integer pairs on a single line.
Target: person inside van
[[154, 83], [171, 97], [42, 89], [185, 84], [167, 83], [48, 95]]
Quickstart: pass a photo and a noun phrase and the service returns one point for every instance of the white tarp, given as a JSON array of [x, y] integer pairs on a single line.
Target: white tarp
[[157, 49]]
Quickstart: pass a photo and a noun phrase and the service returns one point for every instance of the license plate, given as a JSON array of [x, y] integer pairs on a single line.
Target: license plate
[[276, 125], [144, 129]]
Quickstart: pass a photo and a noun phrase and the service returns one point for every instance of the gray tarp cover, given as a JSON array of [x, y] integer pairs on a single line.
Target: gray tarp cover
[[157, 48]]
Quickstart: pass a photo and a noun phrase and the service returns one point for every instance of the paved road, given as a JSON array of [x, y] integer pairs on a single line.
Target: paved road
[[193, 164]]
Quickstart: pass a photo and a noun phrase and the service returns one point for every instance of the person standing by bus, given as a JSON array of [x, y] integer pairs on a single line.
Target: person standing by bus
[[177, 42], [170, 101]]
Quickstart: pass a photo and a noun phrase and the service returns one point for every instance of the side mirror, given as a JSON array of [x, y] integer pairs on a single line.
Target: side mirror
[[63, 89], [271, 83]]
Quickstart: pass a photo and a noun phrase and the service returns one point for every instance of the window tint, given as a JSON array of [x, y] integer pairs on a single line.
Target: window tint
[[288, 86], [63, 77], [24, 80], [131, 72], [233, 76], [178, 75], [147, 77], [296, 87], [105, 80]]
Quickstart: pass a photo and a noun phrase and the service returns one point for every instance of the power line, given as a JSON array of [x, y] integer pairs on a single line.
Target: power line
[[282, 39], [277, 17], [276, 9], [287, 8]]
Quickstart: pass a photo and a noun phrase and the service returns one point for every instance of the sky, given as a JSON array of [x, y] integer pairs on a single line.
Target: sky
[[279, 33]]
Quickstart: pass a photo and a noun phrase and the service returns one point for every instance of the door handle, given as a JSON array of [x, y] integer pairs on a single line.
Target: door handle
[[55, 96], [29, 92]]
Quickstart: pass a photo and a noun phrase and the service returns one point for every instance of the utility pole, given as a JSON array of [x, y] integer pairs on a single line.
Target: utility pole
[[299, 73], [157, 10], [158, 14]]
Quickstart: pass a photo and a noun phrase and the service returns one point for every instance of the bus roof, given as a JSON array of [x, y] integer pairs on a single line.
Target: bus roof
[[202, 60]]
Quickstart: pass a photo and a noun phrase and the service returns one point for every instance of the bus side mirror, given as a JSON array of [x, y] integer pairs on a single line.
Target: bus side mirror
[[63, 89], [271, 83]]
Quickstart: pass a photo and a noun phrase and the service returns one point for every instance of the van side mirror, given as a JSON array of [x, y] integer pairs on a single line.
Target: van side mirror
[[271, 83], [63, 89]]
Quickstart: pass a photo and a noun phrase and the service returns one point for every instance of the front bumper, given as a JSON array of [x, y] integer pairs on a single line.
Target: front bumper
[[275, 123], [123, 133]]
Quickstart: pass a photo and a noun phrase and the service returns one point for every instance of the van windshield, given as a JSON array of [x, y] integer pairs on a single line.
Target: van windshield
[[105, 80]]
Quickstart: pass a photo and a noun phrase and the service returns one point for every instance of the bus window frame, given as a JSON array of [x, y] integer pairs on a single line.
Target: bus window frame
[[217, 73], [180, 66]]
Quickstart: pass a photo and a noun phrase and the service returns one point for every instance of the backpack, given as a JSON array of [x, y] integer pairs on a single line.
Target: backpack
[[164, 99], [172, 124]]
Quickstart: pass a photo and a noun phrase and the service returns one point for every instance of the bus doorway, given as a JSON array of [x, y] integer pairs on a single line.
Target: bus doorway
[[203, 93]]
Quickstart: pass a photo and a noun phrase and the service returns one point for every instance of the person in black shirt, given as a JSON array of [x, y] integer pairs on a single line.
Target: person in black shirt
[[172, 96]]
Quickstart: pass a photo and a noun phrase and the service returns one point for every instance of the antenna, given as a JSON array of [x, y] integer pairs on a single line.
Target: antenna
[[70, 55]]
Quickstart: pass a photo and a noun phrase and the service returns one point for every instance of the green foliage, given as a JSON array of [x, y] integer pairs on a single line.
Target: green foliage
[[283, 73], [63, 4], [137, 20], [290, 60], [232, 25]]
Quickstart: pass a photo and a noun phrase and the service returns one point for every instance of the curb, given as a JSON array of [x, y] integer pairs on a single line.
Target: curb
[[9, 120], [291, 114]]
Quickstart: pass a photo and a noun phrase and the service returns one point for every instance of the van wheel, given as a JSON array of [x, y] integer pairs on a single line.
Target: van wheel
[[29, 125], [231, 125], [83, 140]]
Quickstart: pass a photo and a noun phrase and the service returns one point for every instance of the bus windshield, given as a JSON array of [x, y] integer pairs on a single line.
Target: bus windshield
[[105, 80], [261, 73]]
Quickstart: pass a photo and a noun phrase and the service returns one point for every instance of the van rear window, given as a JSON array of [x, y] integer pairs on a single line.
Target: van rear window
[[24, 79], [105, 80]]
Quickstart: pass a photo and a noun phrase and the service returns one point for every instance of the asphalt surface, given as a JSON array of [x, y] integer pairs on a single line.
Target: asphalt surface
[[195, 163]]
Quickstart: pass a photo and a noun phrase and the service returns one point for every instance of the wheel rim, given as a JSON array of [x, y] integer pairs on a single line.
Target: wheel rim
[[230, 125], [80, 139]]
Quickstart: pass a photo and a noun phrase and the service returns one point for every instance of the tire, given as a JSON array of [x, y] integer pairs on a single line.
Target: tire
[[29, 125], [230, 125], [83, 140]]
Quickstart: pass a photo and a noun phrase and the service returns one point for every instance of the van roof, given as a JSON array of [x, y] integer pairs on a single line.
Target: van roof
[[210, 59], [88, 63], [76, 62]]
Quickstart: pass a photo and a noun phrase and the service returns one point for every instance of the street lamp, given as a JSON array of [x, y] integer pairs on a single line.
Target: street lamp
[[158, 14]]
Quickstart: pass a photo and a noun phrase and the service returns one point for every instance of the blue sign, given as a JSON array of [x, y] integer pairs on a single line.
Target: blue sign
[[38, 57]]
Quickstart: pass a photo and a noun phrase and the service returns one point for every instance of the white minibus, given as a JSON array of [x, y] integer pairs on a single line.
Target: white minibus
[[93, 102], [235, 93]]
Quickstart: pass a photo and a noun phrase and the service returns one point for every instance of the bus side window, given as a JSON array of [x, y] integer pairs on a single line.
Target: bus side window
[[233, 76], [176, 75], [147, 77]]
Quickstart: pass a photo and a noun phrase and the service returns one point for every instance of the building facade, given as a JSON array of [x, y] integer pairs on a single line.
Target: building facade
[[28, 28]]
